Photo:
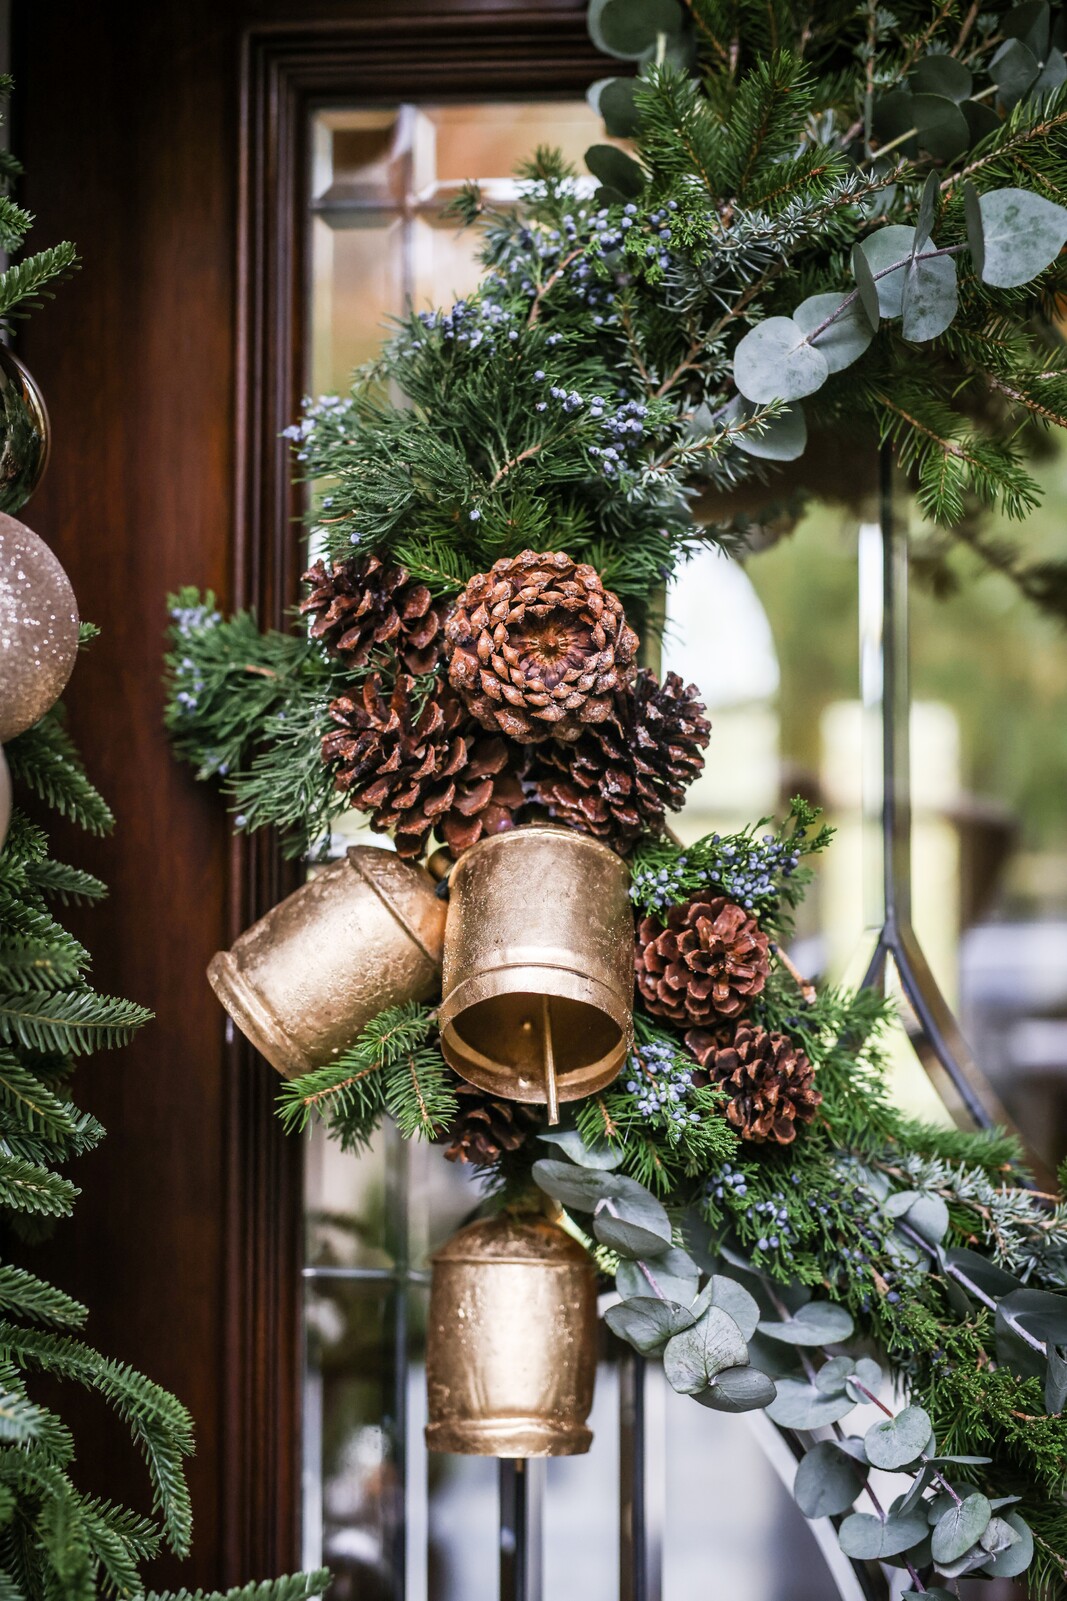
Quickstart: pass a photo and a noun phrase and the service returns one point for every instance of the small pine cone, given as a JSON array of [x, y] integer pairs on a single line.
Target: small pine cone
[[487, 1125], [538, 647], [769, 1079], [363, 603], [417, 768], [618, 778], [708, 962]]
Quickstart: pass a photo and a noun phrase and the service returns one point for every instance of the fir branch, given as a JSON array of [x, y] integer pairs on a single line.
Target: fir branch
[[25, 284]]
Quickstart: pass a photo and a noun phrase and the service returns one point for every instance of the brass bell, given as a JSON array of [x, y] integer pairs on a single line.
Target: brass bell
[[511, 1341], [364, 934], [538, 965]]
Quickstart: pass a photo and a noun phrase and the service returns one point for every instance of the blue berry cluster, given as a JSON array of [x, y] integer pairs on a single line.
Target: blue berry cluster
[[660, 1080], [471, 323], [609, 235], [660, 888], [729, 1183], [750, 870], [319, 417]]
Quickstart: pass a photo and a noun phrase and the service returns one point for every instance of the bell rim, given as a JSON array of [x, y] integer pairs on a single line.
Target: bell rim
[[528, 1437], [259, 1026]]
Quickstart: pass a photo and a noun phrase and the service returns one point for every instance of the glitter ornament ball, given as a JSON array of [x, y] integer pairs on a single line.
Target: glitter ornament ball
[[24, 433], [38, 628]]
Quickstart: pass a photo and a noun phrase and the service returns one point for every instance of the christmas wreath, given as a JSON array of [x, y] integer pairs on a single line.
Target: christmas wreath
[[836, 221]]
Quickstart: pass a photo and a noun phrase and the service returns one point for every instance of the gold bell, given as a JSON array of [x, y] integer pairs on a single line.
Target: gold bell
[[511, 1341], [364, 934], [538, 966]]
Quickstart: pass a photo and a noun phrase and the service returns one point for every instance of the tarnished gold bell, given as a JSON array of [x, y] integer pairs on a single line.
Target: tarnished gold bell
[[364, 934], [538, 965], [511, 1341]]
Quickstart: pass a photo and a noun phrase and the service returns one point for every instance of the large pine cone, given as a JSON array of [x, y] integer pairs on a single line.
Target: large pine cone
[[416, 767], [618, 778], [538, 647], [769, 1079], [363, 603], [487, 1125], [709, 961]]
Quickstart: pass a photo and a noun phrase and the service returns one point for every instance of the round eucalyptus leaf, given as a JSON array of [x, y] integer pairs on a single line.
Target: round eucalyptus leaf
[[740, 1389], [842, 341], [571, 1186], [627, 28], [866, 1537], [601, 1157], [982, 120], [928, 1214], [775, 362], [941, 75], [827, 1481], [1018, 1557], [798, 1405], [615, 169], [896, 1442], [617, 104], [818, 1323], [694, 1357], [1030, 23], [943, 129], [998, 1536], [888, 253], [781, 438], [866, 287], [831, 1377], [893, 116], [672, 1274], [628, 1239], [1052, 74], [957, 1529], [647, 1323], [1013, 69], [733, 1299]]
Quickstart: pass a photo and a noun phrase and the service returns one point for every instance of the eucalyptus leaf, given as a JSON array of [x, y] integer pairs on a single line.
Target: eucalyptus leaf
[[830, 1379], [628, 1239], [994, 1280], [732, 1298], [998, 1536], [920, 1484], [942, 126], [1018, 1557], [1039, 1312], [1052, 74], [818, 1323], [846, 338], [867, 1538], [626, 28], [781, 438], [935, 1592], [982, 120], [775, 362], [570, 1185], [1016, 1352], [890, 247], [894, 116], [1024, 234], [672, 1275], [601, 1157], [970, 1562], [928, 1214], [617, 104], [866, 287], [799, 1405], [1055, 1381], [647, 1323], [869, 1374], [927, 213], [941, 75], [957, 1529], [1029, 22], [616, 169], [738, 1389], [694, 1357], [897, 1442], [1013, 69], [827, 1481]]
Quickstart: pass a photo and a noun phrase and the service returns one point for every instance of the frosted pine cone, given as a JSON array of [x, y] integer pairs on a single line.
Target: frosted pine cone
[[538, 647], [362, 603], [769, 1079], [708, 962]]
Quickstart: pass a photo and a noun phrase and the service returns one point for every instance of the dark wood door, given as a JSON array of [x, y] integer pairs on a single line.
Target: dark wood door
[[167, 141]]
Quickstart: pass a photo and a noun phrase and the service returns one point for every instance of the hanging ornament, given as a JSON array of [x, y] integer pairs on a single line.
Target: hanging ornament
[[538, 966], [360, 936], [5, 798], [511, 1341], [38, 628], [24, 433]]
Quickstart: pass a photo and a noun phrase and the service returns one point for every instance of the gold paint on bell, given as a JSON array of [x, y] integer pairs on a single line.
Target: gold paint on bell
[[511, 1341], [364, 934], [538, 965]]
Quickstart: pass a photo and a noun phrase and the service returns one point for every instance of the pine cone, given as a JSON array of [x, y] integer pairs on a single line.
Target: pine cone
[[487, 1125], [362, 603], [769, 1079], [414, 769], [618, 778], [537, 647], [709, 961]]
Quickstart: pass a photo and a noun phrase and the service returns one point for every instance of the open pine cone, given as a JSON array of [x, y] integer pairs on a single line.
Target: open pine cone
[[538, 647], [708, 962], [415, 768], [769, 1079], [362, 603], [618, 778], [487, 1125]]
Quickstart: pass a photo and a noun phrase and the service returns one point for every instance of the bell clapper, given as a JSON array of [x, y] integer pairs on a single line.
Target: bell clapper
[[552, 1093]]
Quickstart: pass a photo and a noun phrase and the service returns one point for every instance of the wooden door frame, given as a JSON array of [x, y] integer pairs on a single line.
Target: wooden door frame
[[422, 51]]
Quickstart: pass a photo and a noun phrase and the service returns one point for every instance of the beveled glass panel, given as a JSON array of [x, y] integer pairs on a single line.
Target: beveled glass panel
[[345, 1201], [357, 284]]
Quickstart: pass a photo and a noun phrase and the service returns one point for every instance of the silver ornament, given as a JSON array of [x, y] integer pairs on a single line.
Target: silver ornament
[[24, 433], [38, 628]]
